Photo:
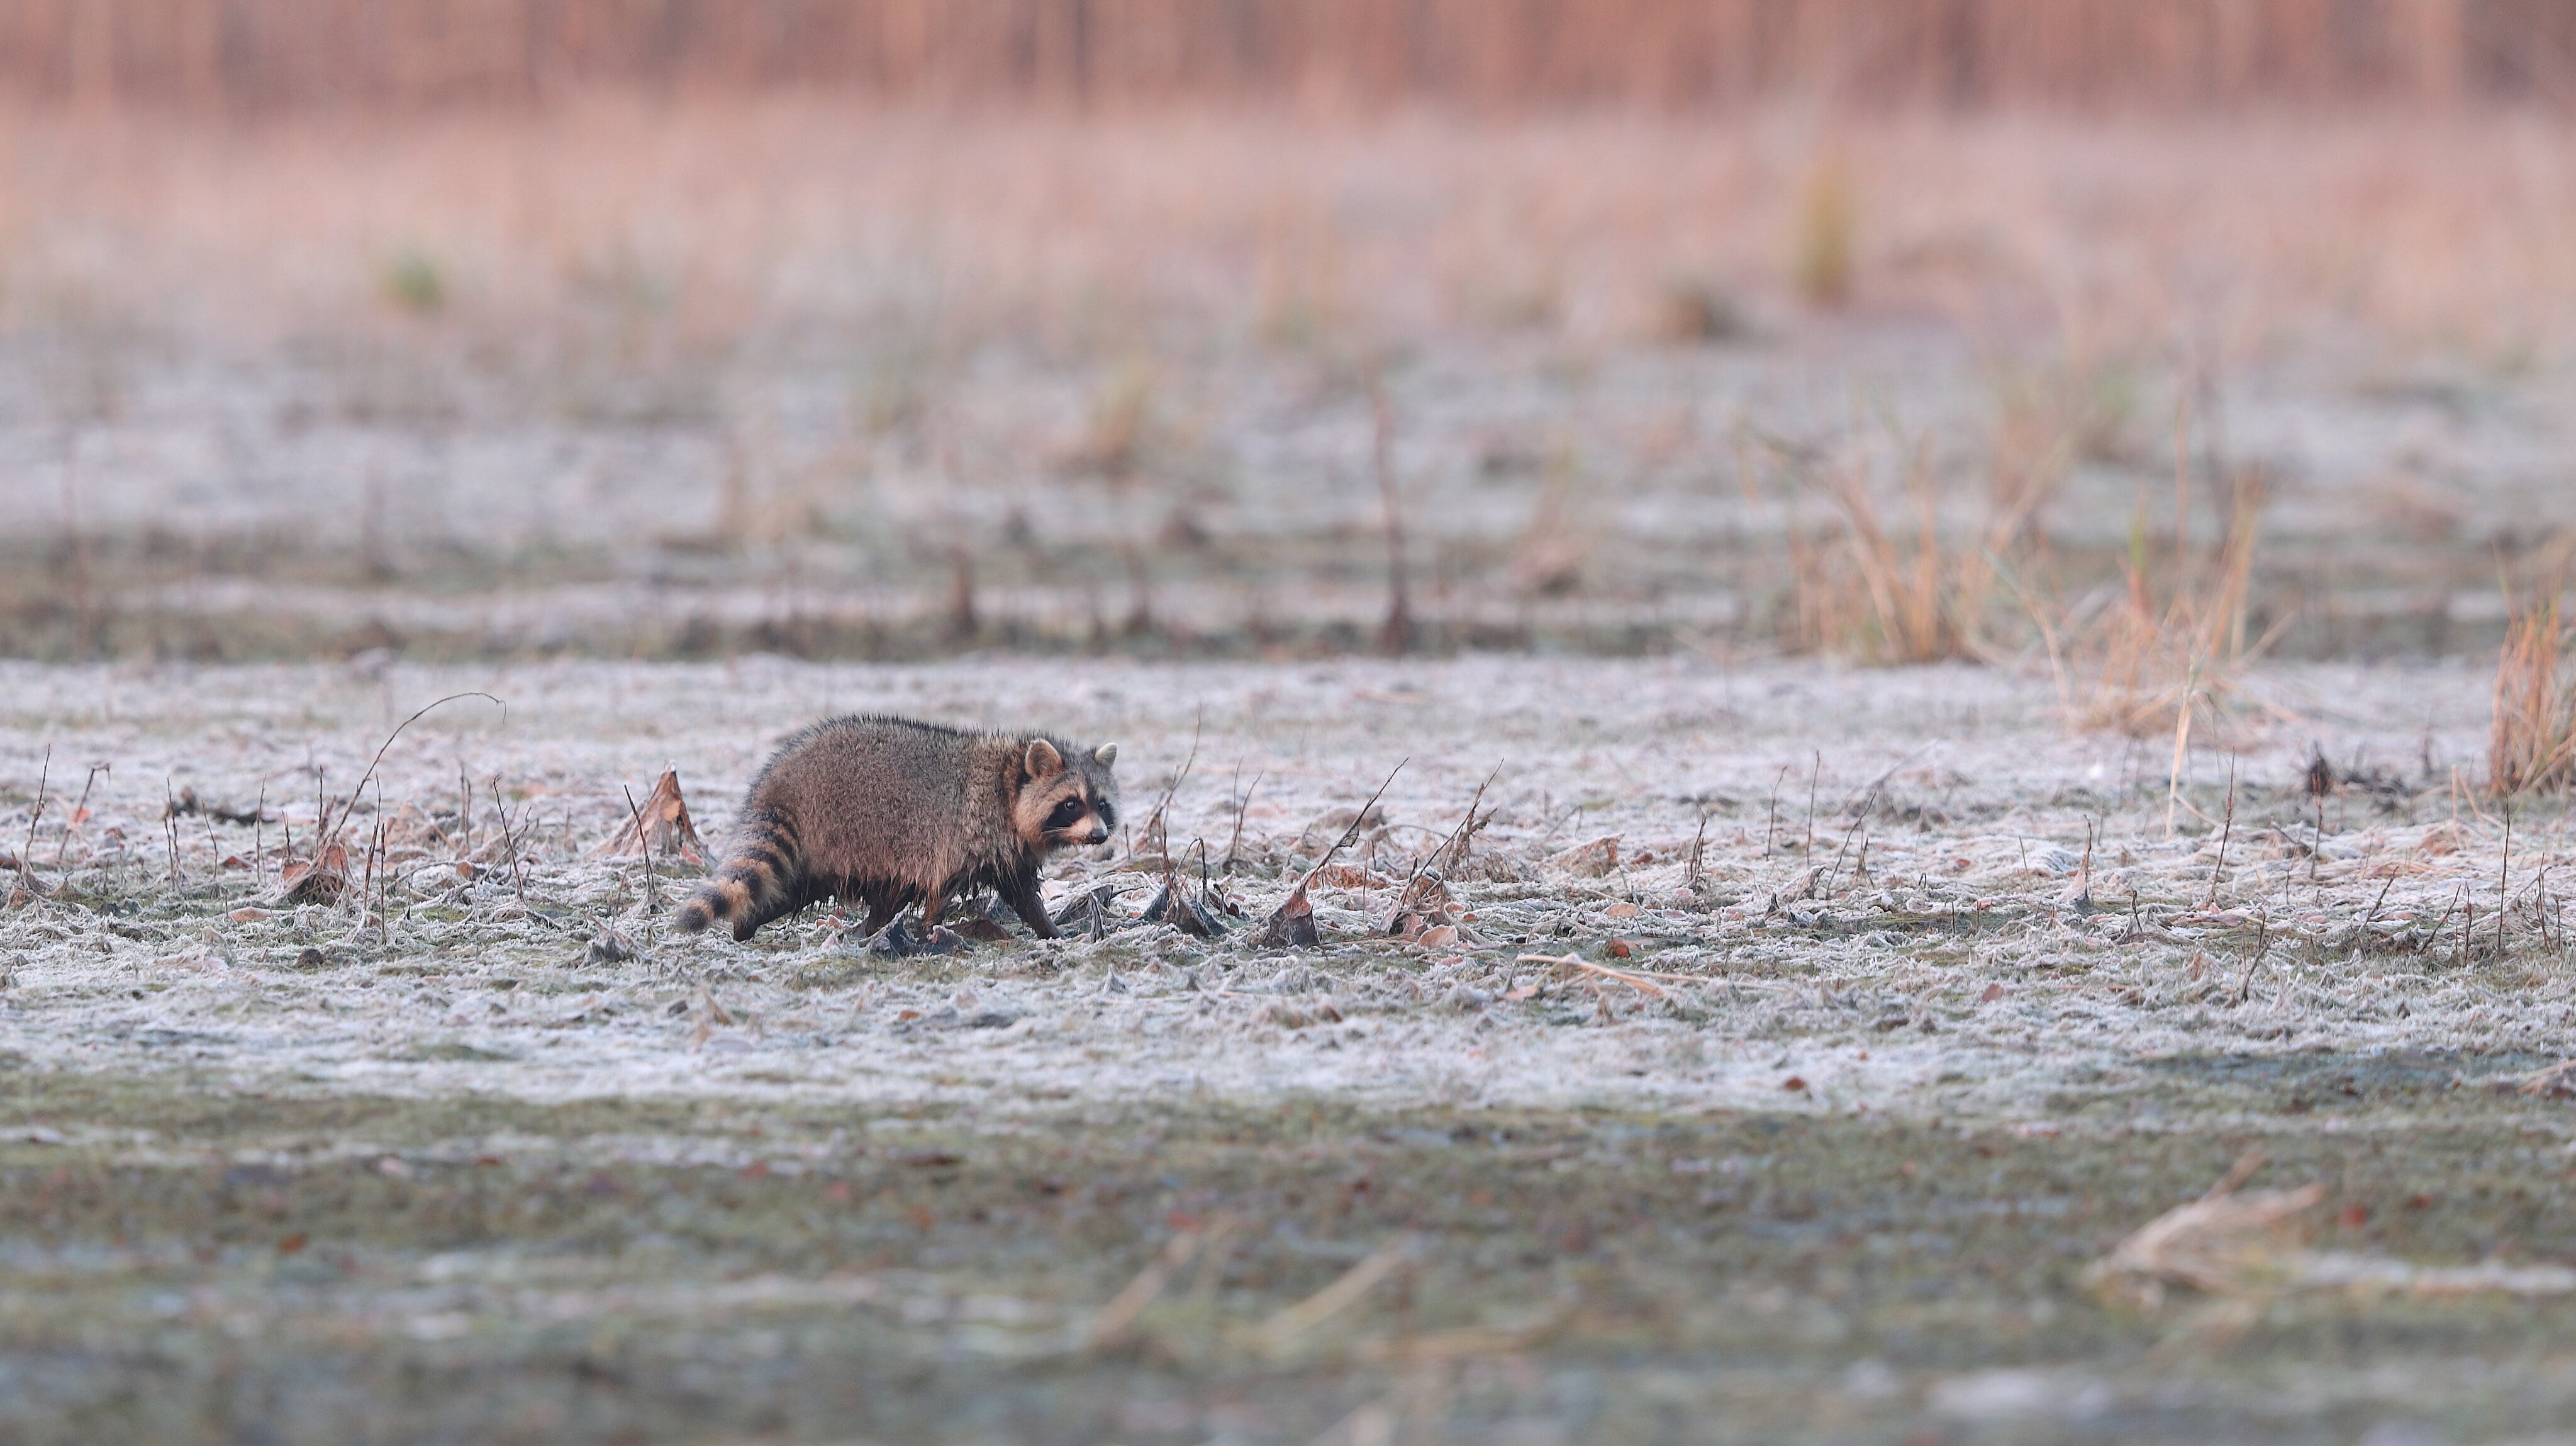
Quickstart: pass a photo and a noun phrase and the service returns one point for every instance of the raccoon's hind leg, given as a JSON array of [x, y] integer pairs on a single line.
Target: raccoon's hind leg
[[757, 882]]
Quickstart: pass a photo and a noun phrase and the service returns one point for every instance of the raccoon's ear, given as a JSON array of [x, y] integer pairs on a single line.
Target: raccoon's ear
[[1105, 755], [1042, 759]]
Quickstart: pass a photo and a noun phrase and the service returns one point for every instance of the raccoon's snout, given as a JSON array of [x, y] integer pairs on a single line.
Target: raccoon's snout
[[1098, 835]]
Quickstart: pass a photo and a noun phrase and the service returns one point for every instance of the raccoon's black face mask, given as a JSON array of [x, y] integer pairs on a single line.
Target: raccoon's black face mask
[[1070, 801]]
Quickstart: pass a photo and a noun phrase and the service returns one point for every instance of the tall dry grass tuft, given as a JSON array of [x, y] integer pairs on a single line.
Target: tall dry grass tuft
[[2532, 746], [2171, 649], [1893, 585], [1821, 258]]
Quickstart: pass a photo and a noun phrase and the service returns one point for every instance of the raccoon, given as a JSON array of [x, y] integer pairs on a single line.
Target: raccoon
[[893, 812]]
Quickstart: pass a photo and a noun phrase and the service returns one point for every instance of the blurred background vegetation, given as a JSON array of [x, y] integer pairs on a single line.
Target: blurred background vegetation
[[2128, 338]]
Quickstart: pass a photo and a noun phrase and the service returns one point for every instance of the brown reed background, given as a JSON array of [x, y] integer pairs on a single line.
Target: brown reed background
[[264, 54]]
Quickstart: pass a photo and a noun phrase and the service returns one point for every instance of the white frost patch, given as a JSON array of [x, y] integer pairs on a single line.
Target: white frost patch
[[1897, 907]]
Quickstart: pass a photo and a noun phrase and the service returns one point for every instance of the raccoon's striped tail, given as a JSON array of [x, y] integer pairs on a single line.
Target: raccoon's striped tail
[[758, 880]]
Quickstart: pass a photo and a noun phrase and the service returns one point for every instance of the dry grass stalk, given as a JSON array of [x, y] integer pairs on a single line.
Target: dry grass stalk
[[2532, 745], [1118, 1318], [2244, 1245], [1821, 259], [1283, 1329]]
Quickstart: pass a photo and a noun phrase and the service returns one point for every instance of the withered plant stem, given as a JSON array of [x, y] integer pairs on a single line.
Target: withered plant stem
[[652, 900], [1242, 805], [2226, 832], [510, 838], [1454, 848], [325, 831], [1812, 775], [27, 850], [1157, 825], [2262, 946], [2504, 879], [214, 853], [1837, 872], [1395, 638], [2317, 845], [1351, 834], [69, 824]]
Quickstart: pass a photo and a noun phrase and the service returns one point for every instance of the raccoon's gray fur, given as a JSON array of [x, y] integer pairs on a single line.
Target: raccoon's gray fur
[[894, 812]]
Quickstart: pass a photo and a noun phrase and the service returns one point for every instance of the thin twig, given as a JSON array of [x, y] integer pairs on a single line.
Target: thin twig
[[2262, 946], [2384, 886], [1156, 824], [27, 850], [2504, 877], [652, 899], [510, 839], [324, 821], [2226, 832], [73, 822], [1242, 804], [1350, 835], [1812, 775]]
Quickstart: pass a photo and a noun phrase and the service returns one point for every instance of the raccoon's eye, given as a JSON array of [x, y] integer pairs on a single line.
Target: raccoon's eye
[[1065, 814], [1108, 815]]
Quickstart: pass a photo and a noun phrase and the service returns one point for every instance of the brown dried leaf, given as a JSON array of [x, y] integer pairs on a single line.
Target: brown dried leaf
[[319, 880], [1350, 876], [1590, 860], [1292, 925], [662, 821]]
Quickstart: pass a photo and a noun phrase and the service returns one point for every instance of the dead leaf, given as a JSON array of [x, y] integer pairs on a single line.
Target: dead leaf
[[318, 880], [1348, 876], [1439, 936], [1590, 860], [661, 821], [1291, 925], [1620, 949]]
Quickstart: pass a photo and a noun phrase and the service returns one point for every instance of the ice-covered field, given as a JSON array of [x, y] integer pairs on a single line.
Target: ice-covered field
[[1778, 1061]]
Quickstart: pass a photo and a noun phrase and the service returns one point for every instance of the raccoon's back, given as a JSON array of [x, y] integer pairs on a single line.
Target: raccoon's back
[[880, 798]]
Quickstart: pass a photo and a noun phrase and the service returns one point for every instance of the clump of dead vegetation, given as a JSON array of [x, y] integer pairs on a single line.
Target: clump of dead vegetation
[[1899, 585], [2169, 649], [2532, 744]]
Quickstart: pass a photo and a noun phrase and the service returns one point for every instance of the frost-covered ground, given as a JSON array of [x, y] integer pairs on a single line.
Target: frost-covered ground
[[1790, 1035]]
